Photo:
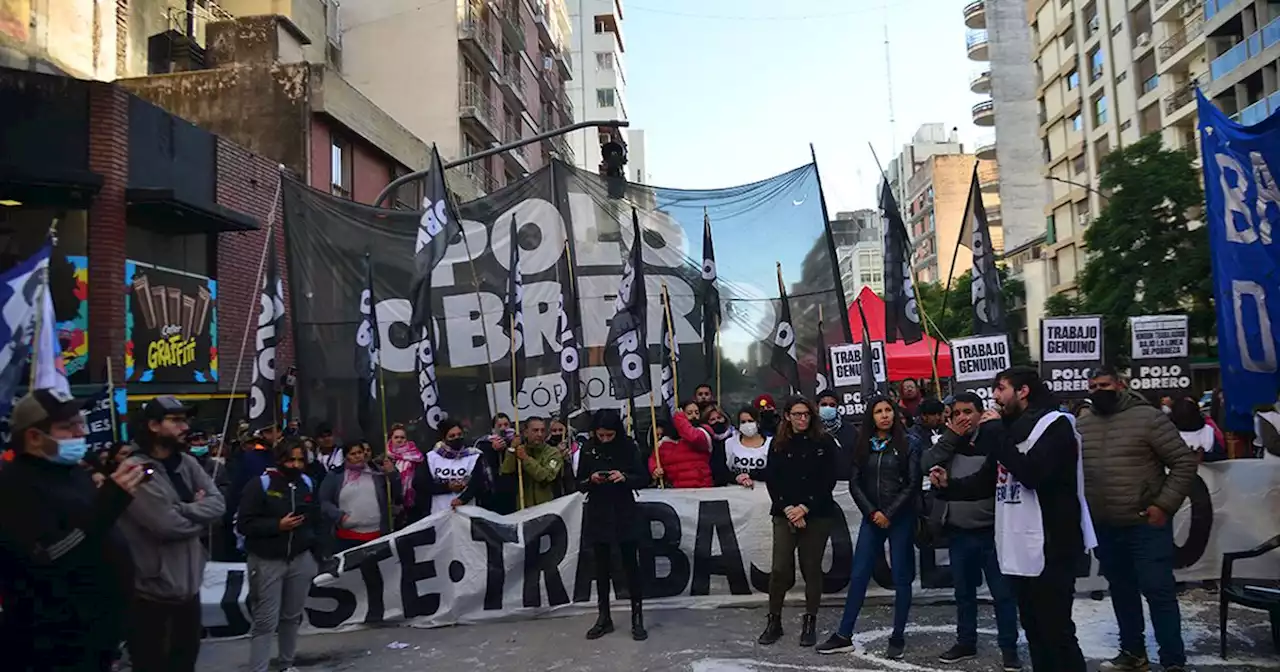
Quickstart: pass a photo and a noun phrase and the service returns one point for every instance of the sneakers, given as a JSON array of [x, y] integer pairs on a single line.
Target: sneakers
[[1126, 662], [836, 643], [896, 650], [958, 653], [1012, 663]]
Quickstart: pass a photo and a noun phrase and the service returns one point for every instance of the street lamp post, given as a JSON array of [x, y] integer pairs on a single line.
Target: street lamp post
[[418, 175], [1082, 186]]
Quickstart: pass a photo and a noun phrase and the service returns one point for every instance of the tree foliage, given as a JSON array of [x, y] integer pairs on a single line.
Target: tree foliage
[[1144, 260], [957, 320]]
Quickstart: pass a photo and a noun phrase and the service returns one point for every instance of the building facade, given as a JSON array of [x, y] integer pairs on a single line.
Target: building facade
[[937, 198], [599, 86], [1242, 46], [466, 76], [859, 239], [928, 140]]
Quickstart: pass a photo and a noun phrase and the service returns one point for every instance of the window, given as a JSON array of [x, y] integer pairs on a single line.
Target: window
[[1095, 64], [604, 60], [1050, 233], [602, 26], [605, 97], [407, 196], [1099, 111], [1077, 124], [340, 167], [1078, 165], [1073, 80]]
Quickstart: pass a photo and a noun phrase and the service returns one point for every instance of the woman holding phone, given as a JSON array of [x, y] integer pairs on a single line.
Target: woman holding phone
[[610, 471]]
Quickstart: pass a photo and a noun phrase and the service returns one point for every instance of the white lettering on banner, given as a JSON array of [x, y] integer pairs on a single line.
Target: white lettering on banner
[[428, 391], [534, 212], [1233, 198], [541, 395], [983, 391], [270, 304], [1071, 339], [1069, 379], [707, 549], [978, 289], [1248, 288], [474, 239], [846, 364], [1268, 194], [980, 358], [1169, 377]]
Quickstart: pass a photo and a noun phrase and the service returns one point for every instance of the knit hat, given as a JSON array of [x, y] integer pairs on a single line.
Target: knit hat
[[764, 401]]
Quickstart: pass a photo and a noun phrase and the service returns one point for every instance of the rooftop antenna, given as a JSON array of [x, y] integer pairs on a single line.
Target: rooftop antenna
[[888, 71]]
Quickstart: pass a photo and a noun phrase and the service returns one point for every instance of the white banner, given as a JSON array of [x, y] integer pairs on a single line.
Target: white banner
[[846, 364], [980, 358], [1070, 348], [709, 547], [1159, 336]]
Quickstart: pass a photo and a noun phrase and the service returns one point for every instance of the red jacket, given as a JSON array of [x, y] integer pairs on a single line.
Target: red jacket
[[685, 463]]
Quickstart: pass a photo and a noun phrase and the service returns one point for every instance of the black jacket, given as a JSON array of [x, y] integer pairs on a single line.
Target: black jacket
[[261, 511], [802, 472], [846, 436], [65, 572], [500, 495], [1049, 468], [884, 483], [609, 514]]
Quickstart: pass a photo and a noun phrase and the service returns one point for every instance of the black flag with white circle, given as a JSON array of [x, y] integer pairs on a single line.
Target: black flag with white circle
[[901, 314], [264, 404], [627, 345], [784, 345], [710, 298], [513, 324]]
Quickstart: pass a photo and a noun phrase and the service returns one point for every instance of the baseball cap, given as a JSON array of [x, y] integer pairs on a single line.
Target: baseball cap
[[163, 406], [42, 405]]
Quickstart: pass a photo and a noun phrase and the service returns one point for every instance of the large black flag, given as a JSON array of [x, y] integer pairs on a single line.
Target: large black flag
[[784, 343], [513, 325], [627, 345], [569, 360], [988, 302], [264, 405], [823, 378], [367, 346], [670, 356], [710, 302], [438, 224], [901, 315]]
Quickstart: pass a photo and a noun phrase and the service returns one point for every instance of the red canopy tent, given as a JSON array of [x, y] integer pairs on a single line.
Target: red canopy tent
[[905, 361]]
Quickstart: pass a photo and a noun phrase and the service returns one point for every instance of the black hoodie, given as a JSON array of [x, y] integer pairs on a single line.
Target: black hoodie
[[262, 508]]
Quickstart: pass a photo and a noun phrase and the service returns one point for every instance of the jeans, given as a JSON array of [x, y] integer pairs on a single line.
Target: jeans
[[810, 543], [165, 636], [278, 590], [973, 554], [1138, 562], [1044, 605], [902, 562]]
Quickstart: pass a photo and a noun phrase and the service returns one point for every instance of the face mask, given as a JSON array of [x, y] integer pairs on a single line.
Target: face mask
[[554, 440], [291, 473], [768, 418], [199, 451], [1166, 410], [828, 413], [70, 451], [454, 444], [1104, 401], [719, 427], [749, 429]]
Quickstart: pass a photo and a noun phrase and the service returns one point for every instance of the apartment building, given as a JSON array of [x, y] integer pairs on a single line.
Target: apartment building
[[859, 239], [1242, 44], [467, 76], [599, 86], [937, 198], [928, 140]]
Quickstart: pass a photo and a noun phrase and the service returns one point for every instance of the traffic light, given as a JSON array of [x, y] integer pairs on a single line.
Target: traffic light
[[613, 156]]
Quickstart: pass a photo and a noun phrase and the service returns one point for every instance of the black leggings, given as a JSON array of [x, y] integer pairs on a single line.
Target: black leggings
[[604, 573]]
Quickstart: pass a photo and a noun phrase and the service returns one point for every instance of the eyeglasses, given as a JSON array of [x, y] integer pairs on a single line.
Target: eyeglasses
[[799, 414]]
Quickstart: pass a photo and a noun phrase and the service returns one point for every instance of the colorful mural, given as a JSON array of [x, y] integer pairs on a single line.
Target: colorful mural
[[171, 326]]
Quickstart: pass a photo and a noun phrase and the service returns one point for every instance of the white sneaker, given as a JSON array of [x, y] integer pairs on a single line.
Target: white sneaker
[[291, 669]]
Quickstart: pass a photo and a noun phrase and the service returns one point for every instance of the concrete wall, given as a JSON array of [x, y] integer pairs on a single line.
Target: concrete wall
[[1013, 81]]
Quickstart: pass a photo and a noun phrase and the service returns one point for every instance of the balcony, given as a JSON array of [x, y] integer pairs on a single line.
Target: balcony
[[975, 14], [477, 108], [1180, 98], [1235, 56], [562, 99], [986, 148], [1254, 114], [476, 39], [519, 157], [984, 114], [977, 43], [512, 25], [1212, 7], [981, 83], [564, 62], [1178, 40], [543, 21], [512, 81], [989, 180]]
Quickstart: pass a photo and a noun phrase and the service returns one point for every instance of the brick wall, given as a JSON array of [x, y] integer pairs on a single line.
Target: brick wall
[[109, 157], [370, 168], [247, 183]]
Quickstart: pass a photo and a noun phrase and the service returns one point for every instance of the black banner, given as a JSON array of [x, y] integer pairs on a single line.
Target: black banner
[[171, 326], [264, 409]]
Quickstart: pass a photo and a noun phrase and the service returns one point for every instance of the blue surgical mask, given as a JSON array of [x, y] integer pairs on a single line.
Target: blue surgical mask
[[828, 413], [70, 451], [199, 451]]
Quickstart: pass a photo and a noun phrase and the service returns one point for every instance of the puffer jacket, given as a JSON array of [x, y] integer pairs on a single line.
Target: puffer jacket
[[1126, 454], [686, 462], [884, 483]]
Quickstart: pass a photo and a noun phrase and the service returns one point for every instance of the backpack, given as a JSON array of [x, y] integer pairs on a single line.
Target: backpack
[[265, 480]]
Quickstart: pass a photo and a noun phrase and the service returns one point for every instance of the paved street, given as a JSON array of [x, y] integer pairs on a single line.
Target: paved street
[[723, 640]]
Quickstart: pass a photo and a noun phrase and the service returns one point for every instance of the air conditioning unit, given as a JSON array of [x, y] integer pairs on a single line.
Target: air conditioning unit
[[1083, 219], [333, 23], [1093, 24], [1144, 39]]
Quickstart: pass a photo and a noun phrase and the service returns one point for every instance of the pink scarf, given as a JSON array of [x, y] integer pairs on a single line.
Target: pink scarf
[[407, 458]]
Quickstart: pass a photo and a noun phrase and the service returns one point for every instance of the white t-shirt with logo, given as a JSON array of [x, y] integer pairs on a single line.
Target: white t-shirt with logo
[[446, 470], [742, 459]]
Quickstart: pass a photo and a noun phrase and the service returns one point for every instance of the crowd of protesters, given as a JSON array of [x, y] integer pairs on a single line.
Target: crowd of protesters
[[125, 541]]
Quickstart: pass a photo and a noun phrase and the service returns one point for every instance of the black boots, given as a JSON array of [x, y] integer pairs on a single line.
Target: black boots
[[772, 630], [638, 632], [603, 626], [809, 630]]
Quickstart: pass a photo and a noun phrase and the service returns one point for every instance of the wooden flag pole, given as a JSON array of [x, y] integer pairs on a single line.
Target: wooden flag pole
[[386, 437], [657, 438], [515, 410]]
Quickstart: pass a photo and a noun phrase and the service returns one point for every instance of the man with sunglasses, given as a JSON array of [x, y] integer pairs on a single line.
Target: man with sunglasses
[[172, 510], [64, 568]]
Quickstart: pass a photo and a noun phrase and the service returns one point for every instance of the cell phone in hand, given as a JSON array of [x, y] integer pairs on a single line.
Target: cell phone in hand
[[147, 473], [602, 474]]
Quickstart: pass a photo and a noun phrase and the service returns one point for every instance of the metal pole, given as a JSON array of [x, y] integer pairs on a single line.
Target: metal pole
[[418, 175]]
